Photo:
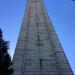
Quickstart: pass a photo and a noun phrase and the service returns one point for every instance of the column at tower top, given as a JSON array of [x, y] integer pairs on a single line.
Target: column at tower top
[[34, 0]]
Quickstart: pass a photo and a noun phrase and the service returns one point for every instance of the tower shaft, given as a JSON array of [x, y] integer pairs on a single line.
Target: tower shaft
[[38, 50]]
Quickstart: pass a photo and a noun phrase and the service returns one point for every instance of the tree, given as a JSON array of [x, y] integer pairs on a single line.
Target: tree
[[73, 0], [5, 59]]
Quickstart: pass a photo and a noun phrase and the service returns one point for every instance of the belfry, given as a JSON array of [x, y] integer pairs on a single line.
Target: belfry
[[38, 50]]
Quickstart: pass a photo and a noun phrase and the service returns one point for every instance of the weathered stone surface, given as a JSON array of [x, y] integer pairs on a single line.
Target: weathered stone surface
[[38, 50]]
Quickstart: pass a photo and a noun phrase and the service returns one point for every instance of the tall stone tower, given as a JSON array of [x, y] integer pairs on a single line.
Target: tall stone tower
[[38, 50]]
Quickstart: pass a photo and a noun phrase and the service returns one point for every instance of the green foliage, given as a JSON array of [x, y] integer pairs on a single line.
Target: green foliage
[[5, 59]]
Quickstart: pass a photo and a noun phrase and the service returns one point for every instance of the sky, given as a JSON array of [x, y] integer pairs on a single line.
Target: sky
[[61, 13]]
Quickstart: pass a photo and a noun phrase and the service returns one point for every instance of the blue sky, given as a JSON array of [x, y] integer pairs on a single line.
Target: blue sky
[[61, 13]]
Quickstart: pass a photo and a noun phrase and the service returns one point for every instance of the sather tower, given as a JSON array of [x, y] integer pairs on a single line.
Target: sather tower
[[38, 50]]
